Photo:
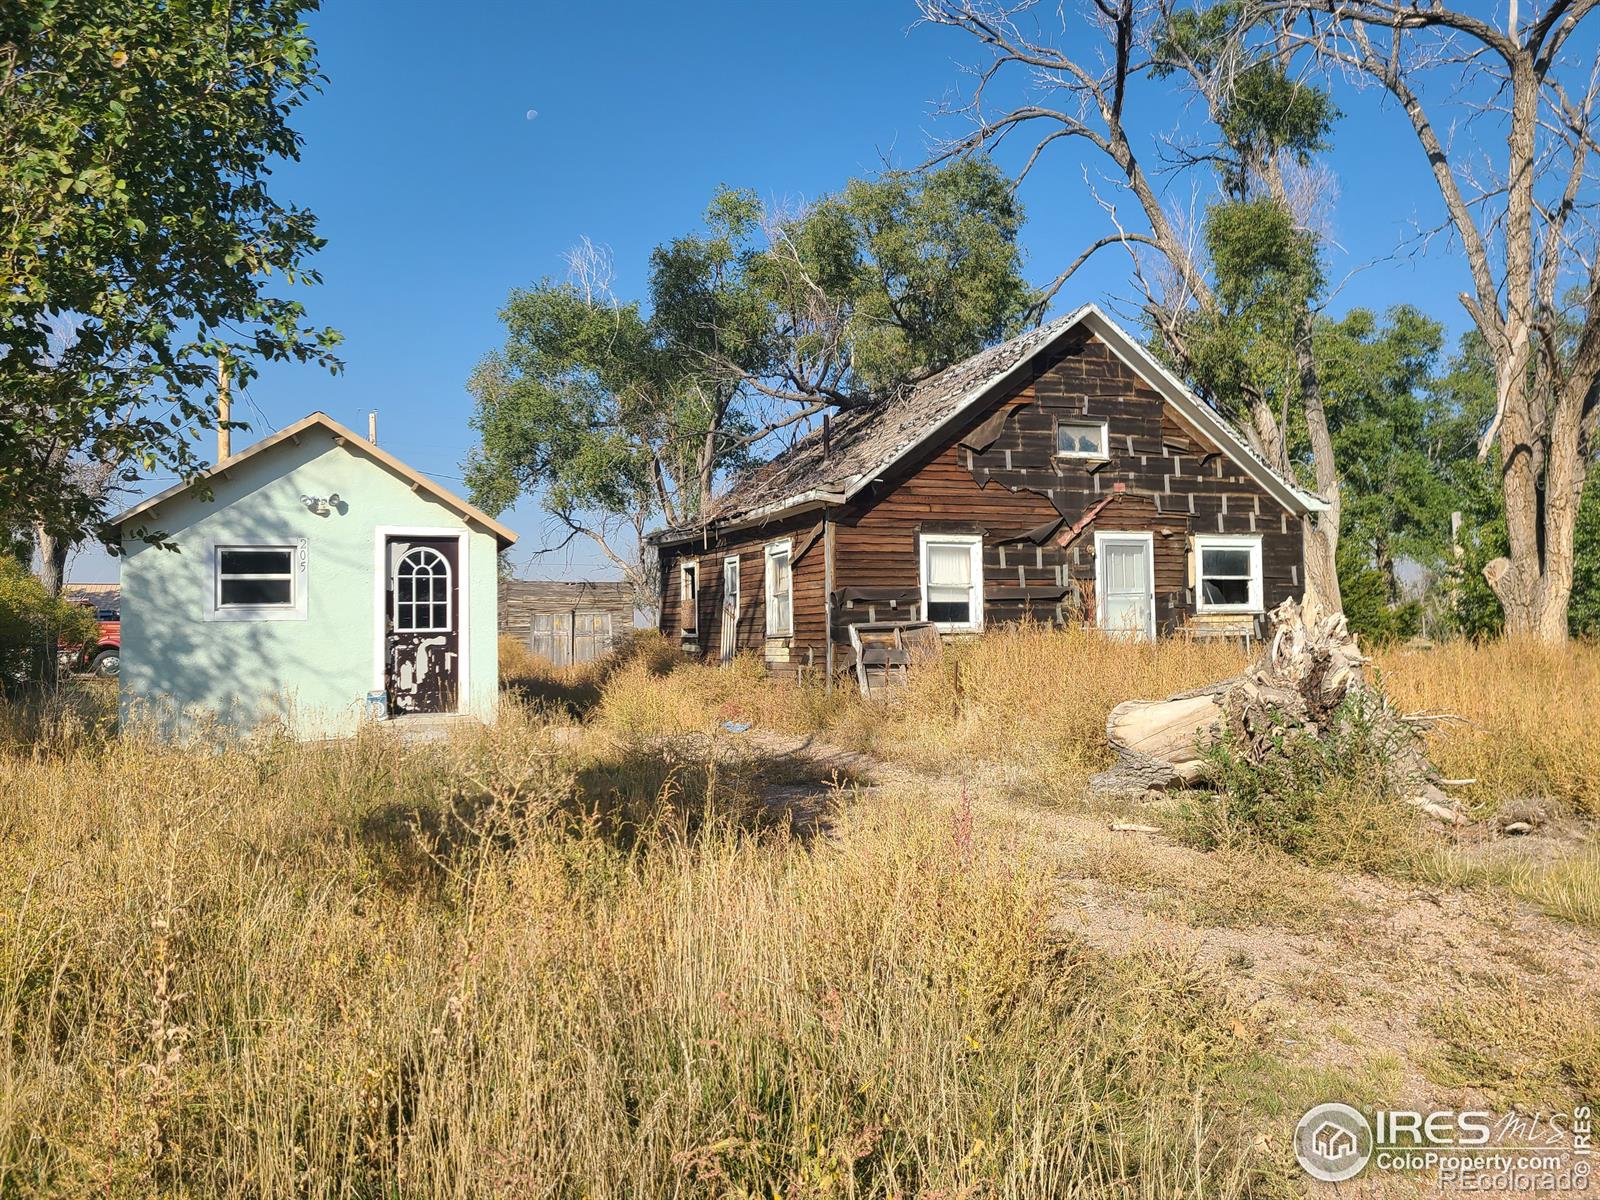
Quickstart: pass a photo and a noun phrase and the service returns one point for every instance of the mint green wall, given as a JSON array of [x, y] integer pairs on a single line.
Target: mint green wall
[[314, 673]]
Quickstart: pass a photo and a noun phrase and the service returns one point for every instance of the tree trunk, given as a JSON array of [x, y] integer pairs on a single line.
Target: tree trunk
[[52, 559], [1307, 670], [52, 573], [1320, 533]]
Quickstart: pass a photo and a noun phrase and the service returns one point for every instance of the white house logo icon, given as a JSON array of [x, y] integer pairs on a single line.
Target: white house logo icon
[[1333, 1142]]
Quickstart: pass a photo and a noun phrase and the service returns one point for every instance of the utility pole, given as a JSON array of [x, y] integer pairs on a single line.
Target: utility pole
[[224, 413]]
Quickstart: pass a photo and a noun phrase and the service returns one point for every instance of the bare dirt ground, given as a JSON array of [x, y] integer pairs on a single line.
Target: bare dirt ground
[[1353, 975]]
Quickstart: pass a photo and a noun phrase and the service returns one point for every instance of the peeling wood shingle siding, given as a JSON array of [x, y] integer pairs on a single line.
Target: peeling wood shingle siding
[[998, 475]]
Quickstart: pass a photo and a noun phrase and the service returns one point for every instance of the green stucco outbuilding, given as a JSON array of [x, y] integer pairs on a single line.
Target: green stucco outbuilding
[[322, 583]]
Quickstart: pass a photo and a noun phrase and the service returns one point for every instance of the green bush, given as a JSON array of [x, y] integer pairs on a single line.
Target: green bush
[[32, 624], [1325, 800]]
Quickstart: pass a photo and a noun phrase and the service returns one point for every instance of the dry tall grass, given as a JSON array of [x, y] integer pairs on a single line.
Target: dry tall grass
[[1526, 709], [498, 967], [1029, 697], [1036, 699]]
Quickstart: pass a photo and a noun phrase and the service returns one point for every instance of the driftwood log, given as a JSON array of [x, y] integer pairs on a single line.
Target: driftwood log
[[1308, 667]]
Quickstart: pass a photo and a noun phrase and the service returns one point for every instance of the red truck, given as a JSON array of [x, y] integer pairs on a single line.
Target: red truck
[[101, 654]]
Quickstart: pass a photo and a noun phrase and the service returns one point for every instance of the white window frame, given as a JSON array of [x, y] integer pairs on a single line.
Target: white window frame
[[686, 568], [973, 542], [784, 549], [1228, 541], [295, 610], [1147, 542], [1105, 438]]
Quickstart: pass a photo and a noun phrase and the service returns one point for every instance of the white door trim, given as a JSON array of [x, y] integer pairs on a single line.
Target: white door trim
[[1148, 541], [730, 641], [380, 575]]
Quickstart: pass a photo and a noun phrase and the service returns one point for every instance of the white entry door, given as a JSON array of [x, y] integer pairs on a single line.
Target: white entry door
[[730, 608], [1125, 584]]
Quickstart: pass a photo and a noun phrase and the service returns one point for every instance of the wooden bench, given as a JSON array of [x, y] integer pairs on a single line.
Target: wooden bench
[[1234, 629]]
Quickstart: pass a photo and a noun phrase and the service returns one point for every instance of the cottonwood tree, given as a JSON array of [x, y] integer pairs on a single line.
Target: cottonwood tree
[[1519, 194], [135, 215], [619, 415], [1237, 319]]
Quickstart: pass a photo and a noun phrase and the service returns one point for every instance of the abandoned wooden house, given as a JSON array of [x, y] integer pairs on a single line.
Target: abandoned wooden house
[[566, 621], [1064, 475]]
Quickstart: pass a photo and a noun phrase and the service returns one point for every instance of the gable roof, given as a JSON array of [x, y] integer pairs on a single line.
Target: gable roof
[[350, 441], [864, 443]]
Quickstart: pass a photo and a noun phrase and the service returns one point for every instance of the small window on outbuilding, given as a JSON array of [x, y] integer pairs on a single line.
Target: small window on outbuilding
[[255, 577], [1228, 573], [780, 590], [1081, 439], [952, 580]]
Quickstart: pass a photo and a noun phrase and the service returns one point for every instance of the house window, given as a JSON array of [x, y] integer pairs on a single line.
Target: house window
[[1228, 574], [1081, 439], [255, 577], [780, 591], [689, 597], [952, 580]]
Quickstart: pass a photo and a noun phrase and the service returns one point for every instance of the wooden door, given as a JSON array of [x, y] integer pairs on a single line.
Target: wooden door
[[730, 608], [591, 636], [423, 619]]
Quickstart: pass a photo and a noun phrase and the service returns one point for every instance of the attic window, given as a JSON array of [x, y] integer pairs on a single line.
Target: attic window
[[1081, 439]]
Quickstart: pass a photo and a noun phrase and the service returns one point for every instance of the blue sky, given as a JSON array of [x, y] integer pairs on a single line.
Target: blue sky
[[439, 193]]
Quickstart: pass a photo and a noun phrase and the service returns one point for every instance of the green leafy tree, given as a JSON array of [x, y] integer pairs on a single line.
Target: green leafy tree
[[619, 414], [1238, 320], [139, 242], [32, 624], [1400, 439]]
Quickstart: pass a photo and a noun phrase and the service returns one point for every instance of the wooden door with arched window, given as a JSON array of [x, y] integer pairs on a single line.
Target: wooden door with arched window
[[424, 625]]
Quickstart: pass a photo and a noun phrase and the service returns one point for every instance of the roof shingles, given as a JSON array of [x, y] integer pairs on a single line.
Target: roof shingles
[[863, 442]]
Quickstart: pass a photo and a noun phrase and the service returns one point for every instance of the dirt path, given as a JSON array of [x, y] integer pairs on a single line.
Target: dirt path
[[1351, 974]]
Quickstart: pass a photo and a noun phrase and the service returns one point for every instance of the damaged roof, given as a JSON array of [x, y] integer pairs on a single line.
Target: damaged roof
[[862, 444]]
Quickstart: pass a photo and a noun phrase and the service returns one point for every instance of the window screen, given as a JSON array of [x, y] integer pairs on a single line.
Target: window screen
[[255, 577], [1081, 439]]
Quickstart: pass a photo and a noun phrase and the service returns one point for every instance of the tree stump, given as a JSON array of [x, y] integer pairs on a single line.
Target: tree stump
[[1309, 666]]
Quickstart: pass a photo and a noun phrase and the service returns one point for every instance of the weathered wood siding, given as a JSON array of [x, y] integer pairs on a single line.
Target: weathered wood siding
[[568, 602], [1000, 477], [806, 648], [1160, 477], [521, 598]]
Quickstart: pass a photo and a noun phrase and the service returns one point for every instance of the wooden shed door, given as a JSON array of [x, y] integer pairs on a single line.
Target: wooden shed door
[[550, 637], [424, 625], [591, 635]]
